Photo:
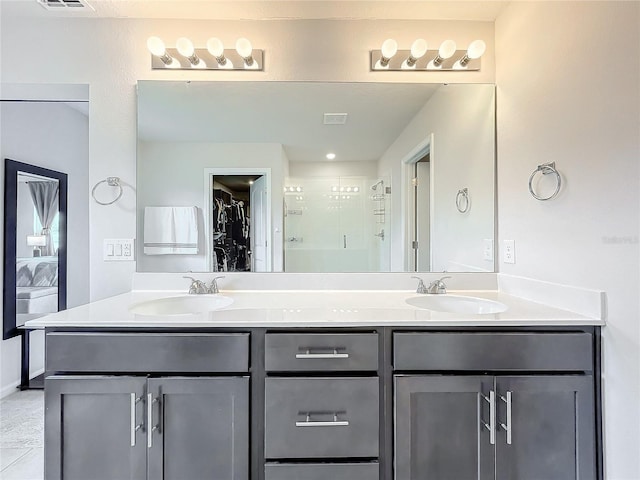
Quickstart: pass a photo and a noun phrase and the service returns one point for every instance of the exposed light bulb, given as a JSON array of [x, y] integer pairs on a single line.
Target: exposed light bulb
[[474, 51], [356, 189], [216, 48], [331, 156], [185, 47], [244, 49], [157, 49], [156, 46], [389, 48], [446, 50], [419, 48]]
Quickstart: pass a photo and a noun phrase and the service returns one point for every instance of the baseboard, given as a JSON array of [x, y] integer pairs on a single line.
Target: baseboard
[[13, 387]]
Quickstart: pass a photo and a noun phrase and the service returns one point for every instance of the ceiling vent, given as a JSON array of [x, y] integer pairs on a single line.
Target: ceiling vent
[[65, 5], [335, 118]]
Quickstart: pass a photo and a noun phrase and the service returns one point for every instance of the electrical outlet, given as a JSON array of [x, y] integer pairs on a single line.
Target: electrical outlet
[[487, 250], [509, 251], [118, 249]]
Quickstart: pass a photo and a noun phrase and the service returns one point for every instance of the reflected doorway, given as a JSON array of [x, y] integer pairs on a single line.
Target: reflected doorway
[[238, 223], [420, 203]]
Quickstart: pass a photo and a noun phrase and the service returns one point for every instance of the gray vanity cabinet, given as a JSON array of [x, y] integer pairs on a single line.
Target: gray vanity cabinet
[[541, 428], [199, 428], [93, 428], [440, 428], [521, 417], [170, 428], [545, 428]]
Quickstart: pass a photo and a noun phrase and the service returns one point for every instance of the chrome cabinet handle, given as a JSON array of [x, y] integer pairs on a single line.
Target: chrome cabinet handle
[[345, 241], [507, 427], [134, 426], [491, 399], [335, 354], [150, 428], [335, 423]]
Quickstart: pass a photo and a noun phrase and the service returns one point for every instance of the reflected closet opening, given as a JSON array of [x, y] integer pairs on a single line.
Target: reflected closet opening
[[238, 223]]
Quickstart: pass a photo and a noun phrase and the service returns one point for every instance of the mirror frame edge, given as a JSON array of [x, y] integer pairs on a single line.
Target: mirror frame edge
[[11, 169]]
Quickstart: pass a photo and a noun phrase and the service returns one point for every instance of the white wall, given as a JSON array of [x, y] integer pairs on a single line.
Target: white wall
[[333, 169], [172, 174], [462, 120], [568, 76], [55, 136]]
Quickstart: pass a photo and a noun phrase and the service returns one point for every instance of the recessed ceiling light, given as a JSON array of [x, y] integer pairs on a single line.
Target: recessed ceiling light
[[331, 156]]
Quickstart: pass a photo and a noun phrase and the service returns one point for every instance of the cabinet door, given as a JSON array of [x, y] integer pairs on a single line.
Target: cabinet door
[[551, 425], [443, 428], [200, 428], [94, 428]]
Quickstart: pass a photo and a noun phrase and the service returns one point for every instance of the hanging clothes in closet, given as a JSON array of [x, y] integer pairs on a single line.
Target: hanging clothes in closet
[[230, 233]]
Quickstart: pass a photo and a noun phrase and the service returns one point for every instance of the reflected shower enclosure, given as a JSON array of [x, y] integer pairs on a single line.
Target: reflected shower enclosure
[[336, 224]]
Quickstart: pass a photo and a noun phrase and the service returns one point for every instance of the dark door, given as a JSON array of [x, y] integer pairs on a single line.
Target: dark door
[[546, 428], [443, 428]]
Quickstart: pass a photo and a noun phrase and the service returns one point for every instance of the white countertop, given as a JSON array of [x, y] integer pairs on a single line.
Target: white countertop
[[304, 308]]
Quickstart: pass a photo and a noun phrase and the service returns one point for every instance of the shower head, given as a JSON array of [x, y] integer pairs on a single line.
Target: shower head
[[375, 186]]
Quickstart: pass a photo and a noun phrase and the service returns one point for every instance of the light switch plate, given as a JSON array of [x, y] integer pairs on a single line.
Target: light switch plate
[[118, 249], [509, 255]]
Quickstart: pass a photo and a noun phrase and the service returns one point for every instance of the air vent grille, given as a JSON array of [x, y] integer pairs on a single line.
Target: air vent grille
[[65, 5], [335, 118]]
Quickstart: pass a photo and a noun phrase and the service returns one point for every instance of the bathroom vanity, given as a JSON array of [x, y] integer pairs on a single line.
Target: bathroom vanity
[[378, 390]]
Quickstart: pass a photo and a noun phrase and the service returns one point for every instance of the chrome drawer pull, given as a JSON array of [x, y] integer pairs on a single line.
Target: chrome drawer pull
[[491, 399], [134, 426], [150, 428], [310, 355], [335, 423], [507, 427]]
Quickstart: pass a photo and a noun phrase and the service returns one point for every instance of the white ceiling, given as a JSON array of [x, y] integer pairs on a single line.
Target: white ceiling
[[268, 9], [289, 113]]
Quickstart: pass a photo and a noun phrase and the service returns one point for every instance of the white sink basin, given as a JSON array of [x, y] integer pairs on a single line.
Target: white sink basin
[[457, 304], [183, 305]]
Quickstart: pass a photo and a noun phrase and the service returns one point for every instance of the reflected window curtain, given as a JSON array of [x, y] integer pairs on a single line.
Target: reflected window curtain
[[45, 200]]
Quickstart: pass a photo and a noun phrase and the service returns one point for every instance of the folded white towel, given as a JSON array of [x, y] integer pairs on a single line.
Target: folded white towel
[[170, 230]]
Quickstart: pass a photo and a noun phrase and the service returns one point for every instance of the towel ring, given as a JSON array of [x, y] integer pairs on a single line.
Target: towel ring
[[112, 182], [462, 197], [546, 169]]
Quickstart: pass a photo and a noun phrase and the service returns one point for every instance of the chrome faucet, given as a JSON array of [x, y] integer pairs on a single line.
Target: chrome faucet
[[197, 287], [421, 287], [213, 288], [437, 286]]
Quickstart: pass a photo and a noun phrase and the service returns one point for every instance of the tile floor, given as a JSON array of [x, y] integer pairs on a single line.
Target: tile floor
[[22, 436]]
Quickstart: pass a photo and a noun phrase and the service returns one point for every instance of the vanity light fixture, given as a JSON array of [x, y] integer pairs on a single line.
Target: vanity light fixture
[[185, 56], [331, 156], [419, 58]]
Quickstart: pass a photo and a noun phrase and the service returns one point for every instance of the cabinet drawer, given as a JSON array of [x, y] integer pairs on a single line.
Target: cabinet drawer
[[147, 352], [493, 351], [321, 417], [321, 351], [322, 471]]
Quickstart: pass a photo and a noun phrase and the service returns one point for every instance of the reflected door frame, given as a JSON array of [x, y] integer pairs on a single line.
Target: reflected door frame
[[209, 174], [423, 148]]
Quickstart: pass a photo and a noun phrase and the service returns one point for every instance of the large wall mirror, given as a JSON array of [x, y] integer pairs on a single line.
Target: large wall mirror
[[315, 177], [35, 254]]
